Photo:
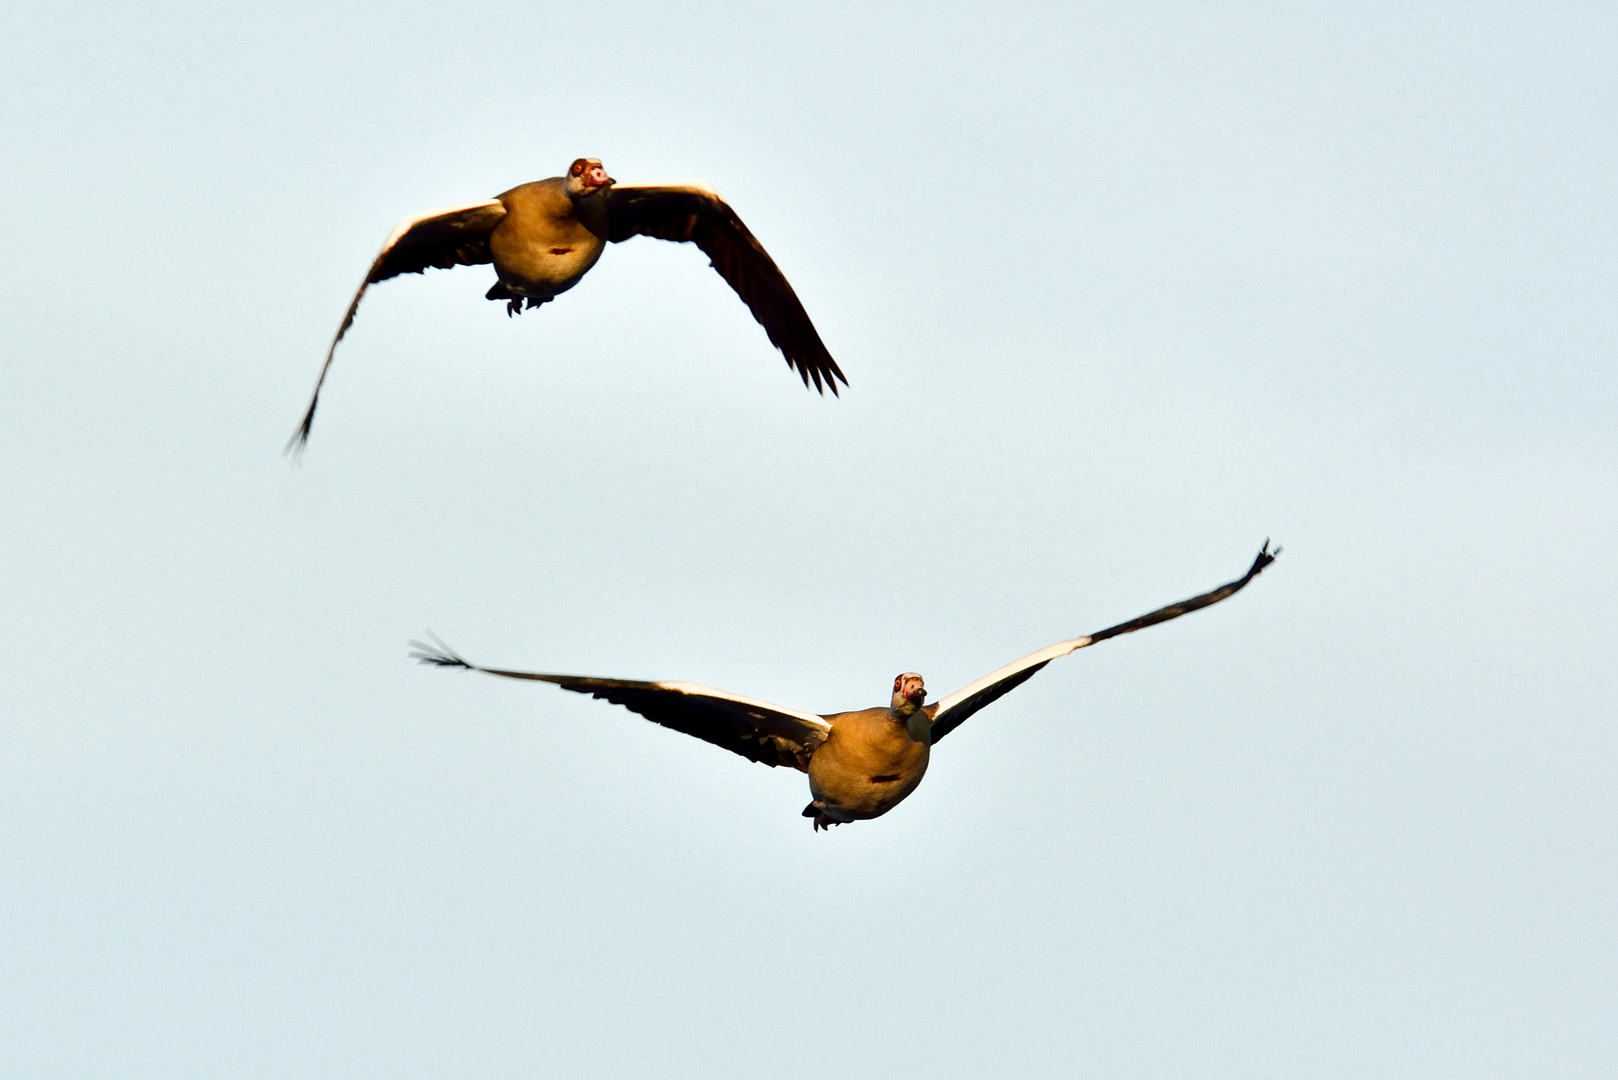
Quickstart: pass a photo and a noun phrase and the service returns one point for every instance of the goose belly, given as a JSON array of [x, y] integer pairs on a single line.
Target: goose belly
[[851, 791], [543, 263]]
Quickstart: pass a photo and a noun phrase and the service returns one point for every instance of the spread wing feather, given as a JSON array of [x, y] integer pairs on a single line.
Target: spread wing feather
[[951, 712], [693, 212], [754, 729], [453, 236]]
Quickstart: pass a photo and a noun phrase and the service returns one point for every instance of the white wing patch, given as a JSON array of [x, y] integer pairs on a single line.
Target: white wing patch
[[1045, 655], [409, 223], [691, 689]]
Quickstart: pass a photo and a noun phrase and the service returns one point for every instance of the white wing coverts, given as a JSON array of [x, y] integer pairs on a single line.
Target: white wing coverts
[[951, 712]]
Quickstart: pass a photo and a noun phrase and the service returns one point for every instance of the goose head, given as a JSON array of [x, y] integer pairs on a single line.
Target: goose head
[[909, 692], [586, 176]]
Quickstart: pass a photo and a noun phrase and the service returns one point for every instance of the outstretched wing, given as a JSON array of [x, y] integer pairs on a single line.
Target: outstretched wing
[[756, 730], [453, 236], [692, 211], [951, 712]]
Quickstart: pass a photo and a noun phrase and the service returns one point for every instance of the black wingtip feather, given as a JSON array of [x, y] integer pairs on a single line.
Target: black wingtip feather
[[825, 375], [437, 654], [1264, 558], [300, 439]]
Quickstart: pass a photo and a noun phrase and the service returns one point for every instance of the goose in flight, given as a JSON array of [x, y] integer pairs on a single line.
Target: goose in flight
[[543, 237], [861, 764]]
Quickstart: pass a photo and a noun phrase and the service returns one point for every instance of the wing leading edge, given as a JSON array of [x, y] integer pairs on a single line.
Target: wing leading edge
[[451, 236], [757, 730], [953, 711], [692, 212]]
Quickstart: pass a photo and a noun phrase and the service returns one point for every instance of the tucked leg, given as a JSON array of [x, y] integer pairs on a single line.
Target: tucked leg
[[500, 291], [821, 820]]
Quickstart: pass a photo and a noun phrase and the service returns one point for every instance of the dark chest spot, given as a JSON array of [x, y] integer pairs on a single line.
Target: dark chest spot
[[561, 251]]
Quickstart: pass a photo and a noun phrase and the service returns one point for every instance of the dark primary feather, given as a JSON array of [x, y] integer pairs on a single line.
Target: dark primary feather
[[769, 738], [724, 723], [962, 710], [1173, 611], [437, 654], [694, 216], [455, 237]]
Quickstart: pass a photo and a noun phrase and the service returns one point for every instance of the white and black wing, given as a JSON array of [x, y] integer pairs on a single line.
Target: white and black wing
[[754, 729], [691, 211], [951, 712], [453, 236]]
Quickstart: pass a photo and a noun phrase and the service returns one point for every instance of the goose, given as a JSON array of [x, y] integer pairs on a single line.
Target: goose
[[861, 764], [543, 237]]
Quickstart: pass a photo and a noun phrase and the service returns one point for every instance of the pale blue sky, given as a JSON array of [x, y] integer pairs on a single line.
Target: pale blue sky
[[1120, 291]]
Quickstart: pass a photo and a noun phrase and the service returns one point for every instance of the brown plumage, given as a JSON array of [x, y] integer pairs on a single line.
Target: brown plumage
[[545, 236], [861, 764]]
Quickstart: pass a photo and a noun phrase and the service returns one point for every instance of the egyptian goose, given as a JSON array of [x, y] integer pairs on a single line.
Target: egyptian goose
[[545, 236], [861, 764]]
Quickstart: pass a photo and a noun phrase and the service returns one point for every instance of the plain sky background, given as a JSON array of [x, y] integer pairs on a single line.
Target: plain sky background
[[1121, 290]]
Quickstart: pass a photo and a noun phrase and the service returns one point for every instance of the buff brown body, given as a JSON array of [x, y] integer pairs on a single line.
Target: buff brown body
[[872, 759], [547, 241]]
